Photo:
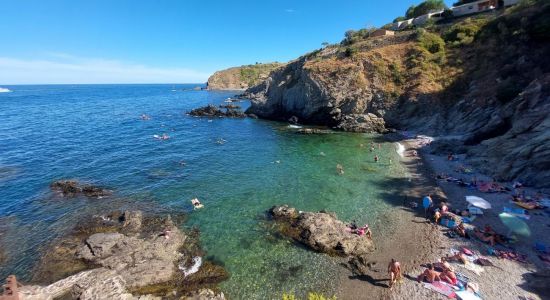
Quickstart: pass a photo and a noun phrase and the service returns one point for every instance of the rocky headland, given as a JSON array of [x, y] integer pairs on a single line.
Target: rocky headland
[[320, 231], [241, 78], [479, 85], [125, 255]]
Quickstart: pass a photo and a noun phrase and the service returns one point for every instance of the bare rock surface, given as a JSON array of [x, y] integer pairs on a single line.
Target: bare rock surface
[[131, 256]]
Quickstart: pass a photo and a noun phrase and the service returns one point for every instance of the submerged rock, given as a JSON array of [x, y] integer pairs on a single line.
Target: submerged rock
[[320, 231], [312, 131], [73, 188], [205, 294]]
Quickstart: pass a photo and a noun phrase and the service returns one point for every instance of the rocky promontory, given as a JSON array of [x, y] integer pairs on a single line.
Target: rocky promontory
[[241, 78], [321, 231], [125, 256]]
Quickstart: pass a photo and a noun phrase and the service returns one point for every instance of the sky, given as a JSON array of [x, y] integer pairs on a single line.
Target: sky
[[168, 41]]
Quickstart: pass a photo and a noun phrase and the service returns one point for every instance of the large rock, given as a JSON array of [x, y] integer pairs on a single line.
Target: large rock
[[321, 231], [362, 123], [213, 111]]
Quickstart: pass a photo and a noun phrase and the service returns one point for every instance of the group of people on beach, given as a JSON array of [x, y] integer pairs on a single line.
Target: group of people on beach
[[365, 230]]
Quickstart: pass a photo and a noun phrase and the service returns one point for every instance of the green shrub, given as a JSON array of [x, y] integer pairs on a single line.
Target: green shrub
[[350, 52], [396, 73], [462, 33], [430, 41]]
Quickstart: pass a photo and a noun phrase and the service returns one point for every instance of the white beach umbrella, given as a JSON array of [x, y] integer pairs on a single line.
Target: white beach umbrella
[[478, 202]]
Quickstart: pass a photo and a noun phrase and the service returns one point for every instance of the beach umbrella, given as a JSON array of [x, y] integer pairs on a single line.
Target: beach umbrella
[[515, 224], [478, 202]]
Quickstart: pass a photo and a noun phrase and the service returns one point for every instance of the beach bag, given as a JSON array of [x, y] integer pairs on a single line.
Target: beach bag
[[448, 223]]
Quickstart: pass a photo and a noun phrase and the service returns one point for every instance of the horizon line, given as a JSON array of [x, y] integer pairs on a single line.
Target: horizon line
[[127, 83]]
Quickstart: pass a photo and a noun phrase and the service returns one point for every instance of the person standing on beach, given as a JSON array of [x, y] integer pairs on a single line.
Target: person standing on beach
[[427, 202], [394, 269]]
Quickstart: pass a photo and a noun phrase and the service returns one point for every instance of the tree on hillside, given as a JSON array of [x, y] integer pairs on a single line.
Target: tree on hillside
[[424, 8], [324, 44]]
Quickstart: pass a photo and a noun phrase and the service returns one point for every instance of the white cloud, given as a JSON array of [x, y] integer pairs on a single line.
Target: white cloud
[[66, 68], [290, 10]]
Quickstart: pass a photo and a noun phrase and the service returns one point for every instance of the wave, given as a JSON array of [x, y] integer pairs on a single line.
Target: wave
[[400, 150], [294, 126], [4, 90], [197, 262]]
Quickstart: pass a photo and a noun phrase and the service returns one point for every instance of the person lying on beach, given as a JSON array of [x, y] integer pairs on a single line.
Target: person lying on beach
[[448, 276], [437, 216], [484, 237], [394, 269], [429, 275], [365, 230], [461, 230], [442, 265], [499, 238], [460, 257], [443, 207]]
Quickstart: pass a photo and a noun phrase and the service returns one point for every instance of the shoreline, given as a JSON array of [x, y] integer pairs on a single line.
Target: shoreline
[[424, 242]]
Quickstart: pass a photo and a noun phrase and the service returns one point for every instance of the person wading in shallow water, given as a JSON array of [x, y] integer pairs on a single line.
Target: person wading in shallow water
[[394, 269]]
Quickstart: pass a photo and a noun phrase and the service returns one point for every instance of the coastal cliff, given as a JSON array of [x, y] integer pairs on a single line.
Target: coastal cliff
[[479, 84], [241, 78]]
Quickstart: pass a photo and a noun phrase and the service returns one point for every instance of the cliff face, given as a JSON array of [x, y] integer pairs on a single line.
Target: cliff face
[[241, 78], [481, 85]]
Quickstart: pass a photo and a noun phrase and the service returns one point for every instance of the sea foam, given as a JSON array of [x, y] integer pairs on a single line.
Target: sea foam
[[197, 262], [400, 150], [4, 90]]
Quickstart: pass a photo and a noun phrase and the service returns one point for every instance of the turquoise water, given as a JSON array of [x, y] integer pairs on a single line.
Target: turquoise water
[[94, 133]]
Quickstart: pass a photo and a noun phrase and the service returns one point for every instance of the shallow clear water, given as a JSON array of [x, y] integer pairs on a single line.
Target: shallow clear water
[[93, 133]]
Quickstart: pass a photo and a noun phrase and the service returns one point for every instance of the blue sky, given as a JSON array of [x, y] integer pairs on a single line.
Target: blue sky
[[166, 41]]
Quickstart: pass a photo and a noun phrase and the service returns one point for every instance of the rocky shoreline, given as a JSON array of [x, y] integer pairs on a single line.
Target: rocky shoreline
[[124, 255]]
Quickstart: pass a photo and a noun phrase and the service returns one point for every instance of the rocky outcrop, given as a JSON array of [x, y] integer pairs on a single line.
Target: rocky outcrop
[[240, 78], [321, 232], [73, 188], [129, 255], [330, 89], [213, 111]]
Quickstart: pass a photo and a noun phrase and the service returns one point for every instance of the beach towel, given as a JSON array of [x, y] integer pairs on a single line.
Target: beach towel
[[442, 288], [467, 295], [475, 210], [474, 268]]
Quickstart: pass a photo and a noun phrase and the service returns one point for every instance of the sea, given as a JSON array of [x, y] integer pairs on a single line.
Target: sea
[[238, 168]]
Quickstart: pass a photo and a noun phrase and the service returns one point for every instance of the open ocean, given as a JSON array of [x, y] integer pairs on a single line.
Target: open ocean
[[94, 133]]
